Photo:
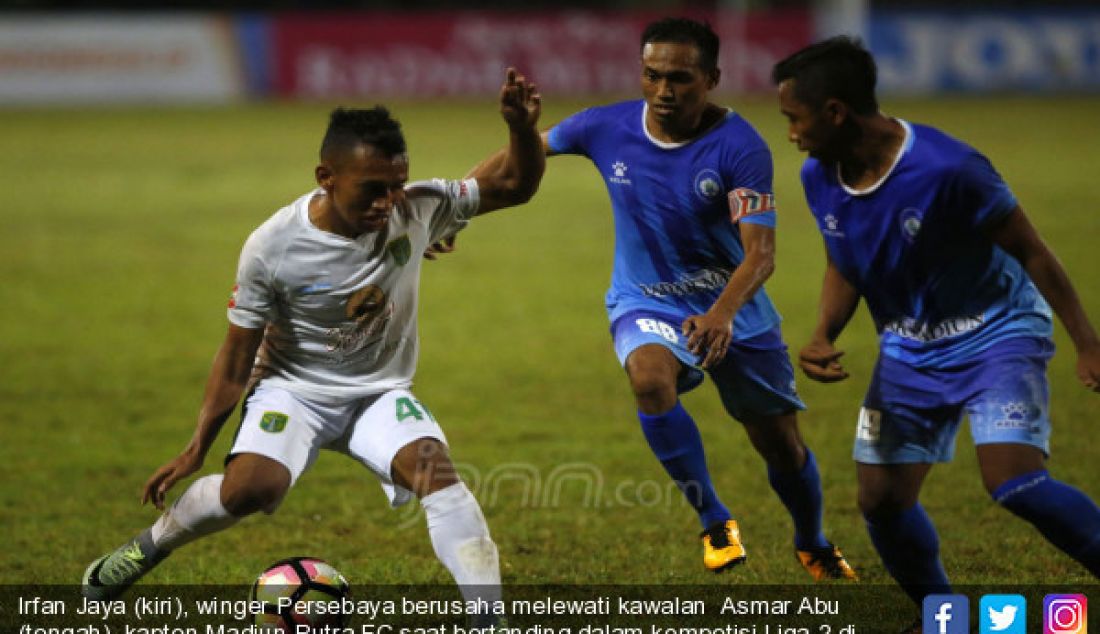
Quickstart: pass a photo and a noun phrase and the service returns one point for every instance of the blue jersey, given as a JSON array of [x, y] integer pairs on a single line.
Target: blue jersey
[[916, 247], [677, 209]]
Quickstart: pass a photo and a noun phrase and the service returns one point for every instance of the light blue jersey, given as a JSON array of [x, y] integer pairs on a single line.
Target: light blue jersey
[[916, 247], [677, 209]]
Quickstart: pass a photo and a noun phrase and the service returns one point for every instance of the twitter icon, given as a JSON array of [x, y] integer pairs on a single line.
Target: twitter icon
[[1003, 614]]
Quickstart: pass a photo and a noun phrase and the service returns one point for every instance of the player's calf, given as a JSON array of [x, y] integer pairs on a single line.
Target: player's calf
[[461, 540], [1063, 514], [197, 512]]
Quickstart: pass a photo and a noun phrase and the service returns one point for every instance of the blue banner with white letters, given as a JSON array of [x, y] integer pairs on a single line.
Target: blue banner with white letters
[[1019, 51]]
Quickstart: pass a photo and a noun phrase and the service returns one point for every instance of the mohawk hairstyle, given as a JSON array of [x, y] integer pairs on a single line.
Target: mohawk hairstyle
[[686, 31], [836, 68], [375, 127]]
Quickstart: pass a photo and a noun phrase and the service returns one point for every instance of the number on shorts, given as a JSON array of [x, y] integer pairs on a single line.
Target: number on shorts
[[655, 327], [412, 408]]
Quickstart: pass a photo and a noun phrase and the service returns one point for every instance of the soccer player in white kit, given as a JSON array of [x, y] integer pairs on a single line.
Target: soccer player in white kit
[[332, 279]]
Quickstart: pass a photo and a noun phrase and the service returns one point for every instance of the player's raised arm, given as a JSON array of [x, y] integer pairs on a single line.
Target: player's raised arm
[[226, 383], [1018, 237], [511, 176], [839, 300], [490, 164]]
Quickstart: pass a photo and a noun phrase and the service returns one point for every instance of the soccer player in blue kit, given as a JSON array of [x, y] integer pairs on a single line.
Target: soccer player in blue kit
[[960, 287], [691, 191]]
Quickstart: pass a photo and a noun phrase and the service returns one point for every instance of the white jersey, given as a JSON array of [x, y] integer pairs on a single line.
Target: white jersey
[[340, 313]]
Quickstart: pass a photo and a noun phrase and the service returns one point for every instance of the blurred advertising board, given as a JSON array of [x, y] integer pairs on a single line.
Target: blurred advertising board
[[929, 52], [321, 56], [118, 58]]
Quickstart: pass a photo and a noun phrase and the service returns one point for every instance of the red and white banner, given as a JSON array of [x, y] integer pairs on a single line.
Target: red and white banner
[[117, 58], [464, 53]]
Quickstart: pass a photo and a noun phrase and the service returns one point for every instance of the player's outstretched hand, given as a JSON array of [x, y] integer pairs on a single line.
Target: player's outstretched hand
[[520, 103], [819, 361], [1088, 367], [446, 245], [170, 473], [708, 335]]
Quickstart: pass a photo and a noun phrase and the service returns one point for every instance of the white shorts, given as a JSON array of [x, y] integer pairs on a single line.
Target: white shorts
[[291, 429]]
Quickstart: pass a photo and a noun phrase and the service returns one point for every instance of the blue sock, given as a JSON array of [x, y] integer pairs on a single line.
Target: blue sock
[[1064, 515], [675, 441], [910, 549], [800, 492]]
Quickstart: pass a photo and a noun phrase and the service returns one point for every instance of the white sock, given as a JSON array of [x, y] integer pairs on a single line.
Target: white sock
[[462, 542], [197, 512]]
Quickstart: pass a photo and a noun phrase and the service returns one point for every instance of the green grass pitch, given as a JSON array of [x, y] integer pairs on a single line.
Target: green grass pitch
[[121, 229]]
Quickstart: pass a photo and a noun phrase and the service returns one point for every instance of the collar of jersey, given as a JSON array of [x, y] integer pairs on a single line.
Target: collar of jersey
[[303, 216], [665, 145], [905, 147]]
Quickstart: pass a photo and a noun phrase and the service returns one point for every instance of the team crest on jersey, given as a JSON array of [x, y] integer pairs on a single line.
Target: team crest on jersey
[[233, 296], [747, 202], [400, 250], [910, 223], [273, 422], [708, 184]]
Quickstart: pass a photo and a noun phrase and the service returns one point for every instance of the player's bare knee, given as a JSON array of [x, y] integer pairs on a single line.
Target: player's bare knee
[[423, 467], [876, 500], [778, 454], [1001, 462], [992, 481], [652, 371], [872, 507], [886, 490], [654, 389], [252, 497], [777, 440], [654, 398], [254, 483], [877, 503], [785, 458]]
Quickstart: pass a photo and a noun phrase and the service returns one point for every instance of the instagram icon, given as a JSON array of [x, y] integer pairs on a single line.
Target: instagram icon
[[1065, 614]]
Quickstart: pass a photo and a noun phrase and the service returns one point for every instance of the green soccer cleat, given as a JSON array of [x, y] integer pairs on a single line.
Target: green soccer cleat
[[110, 575]]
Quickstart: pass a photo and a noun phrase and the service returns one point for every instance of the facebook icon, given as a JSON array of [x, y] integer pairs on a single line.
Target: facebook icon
[[946, 614]]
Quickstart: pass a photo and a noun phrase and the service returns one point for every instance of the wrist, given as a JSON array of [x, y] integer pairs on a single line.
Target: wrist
[[195, 451], [723, 312], [523, 129], [821, 336]]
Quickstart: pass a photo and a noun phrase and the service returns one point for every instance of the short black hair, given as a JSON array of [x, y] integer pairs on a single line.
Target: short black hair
[[837, 68], [686, 31], [348, 127]]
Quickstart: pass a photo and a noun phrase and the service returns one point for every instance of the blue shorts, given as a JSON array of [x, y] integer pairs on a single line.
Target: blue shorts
[[911, 415], [754, 378]]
